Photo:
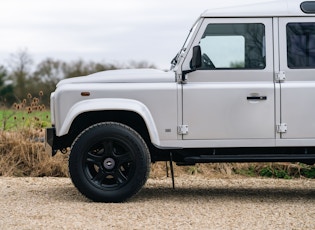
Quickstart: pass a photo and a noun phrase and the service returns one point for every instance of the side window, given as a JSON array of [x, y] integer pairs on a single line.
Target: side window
[[233, 46], [301, 45]]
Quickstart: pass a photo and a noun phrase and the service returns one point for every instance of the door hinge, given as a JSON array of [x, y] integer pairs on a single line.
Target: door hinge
[[179, 78], [183, 129], [280, 77], [282, 128]]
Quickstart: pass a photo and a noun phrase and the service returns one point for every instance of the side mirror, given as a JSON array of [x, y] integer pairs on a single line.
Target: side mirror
[[195, 62], [196, 58]]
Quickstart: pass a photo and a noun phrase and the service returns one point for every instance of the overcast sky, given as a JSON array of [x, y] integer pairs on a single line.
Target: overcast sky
[[99, 30]]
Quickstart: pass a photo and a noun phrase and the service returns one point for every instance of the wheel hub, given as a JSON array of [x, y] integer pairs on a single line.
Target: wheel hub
[[109, 163]]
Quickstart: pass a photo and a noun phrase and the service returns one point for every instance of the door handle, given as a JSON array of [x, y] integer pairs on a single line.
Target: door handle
[[262, 98]]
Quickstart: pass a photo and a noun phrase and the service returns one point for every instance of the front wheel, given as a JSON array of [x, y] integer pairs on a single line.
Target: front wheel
[[109, 162]]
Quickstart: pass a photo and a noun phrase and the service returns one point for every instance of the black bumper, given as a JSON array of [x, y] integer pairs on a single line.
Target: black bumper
[[54, 143]]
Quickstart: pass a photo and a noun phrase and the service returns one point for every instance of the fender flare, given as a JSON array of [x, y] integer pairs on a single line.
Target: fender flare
[[109, 104]]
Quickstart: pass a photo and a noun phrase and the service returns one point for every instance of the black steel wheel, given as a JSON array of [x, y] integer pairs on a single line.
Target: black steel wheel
[[109, 162]]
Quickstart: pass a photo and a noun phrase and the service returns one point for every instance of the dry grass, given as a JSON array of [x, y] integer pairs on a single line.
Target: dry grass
[[283, 170], [23, 154], [22, 148], [214, 170]]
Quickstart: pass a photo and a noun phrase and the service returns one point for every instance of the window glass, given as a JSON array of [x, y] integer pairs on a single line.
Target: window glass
[[233, 46], [301, 45]]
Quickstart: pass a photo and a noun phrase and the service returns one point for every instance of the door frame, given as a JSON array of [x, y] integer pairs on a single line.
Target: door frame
[[220, 76]]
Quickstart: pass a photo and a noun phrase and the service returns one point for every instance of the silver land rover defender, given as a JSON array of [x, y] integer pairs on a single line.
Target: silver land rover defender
[[241, 89]]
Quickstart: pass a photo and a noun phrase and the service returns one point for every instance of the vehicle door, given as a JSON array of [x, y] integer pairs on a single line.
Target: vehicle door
[[232, 95], [297, 62]]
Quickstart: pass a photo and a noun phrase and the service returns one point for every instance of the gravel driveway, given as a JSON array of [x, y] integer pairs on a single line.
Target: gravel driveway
[[196, 203]]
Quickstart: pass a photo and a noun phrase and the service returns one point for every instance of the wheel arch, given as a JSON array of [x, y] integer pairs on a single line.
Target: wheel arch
[[129, 112]]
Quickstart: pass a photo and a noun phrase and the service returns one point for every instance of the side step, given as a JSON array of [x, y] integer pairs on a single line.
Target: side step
[[251, 158]]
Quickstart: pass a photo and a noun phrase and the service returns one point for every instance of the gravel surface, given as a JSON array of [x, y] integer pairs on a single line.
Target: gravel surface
[[196, 203]]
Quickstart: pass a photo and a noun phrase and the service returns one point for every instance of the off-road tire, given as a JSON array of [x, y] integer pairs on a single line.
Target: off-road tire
[[109, 162]]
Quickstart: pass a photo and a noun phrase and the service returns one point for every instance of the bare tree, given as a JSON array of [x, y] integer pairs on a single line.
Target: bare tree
[[20, 64], [49, 70]]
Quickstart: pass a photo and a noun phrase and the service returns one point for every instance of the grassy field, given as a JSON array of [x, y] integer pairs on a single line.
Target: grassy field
[[28, 113], [12, 119]]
